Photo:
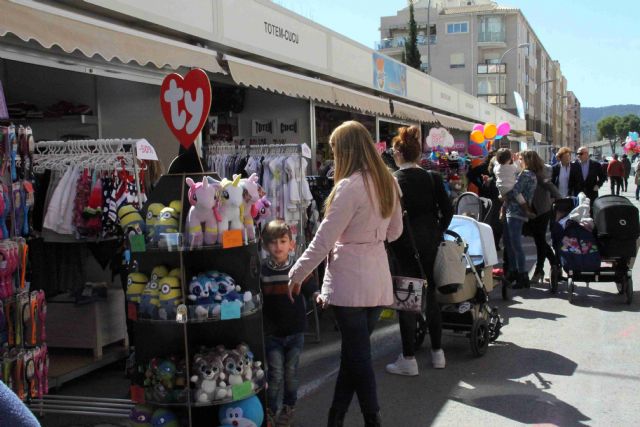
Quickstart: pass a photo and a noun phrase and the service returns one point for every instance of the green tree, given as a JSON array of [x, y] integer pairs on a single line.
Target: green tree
[[607, 129], [626, 124], [411, 52]]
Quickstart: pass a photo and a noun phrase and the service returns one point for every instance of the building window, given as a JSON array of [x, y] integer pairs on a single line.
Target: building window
[[491, 85], [457, 60], [492, 68], [491, 29], [457, 27]]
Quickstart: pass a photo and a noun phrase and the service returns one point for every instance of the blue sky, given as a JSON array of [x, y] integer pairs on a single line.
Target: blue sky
[[597, 42]]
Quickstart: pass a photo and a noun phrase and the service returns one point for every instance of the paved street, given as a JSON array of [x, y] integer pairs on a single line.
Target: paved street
[[555, 364]]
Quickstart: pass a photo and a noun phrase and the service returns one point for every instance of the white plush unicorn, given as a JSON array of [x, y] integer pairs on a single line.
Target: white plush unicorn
[[250, 195], [203, 197], [231, 206]]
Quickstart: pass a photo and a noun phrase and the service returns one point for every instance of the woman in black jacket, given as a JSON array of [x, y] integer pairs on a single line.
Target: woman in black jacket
[[430, 211]]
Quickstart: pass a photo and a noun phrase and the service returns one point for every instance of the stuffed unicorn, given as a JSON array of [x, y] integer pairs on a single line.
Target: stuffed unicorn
[[250, 195], [261, 210], [231, 206], [203, 199]]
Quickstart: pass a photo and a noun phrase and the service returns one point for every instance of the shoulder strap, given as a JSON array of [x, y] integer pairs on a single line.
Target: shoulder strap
[[416, 253]]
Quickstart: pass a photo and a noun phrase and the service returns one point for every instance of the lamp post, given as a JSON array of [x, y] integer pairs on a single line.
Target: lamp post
[[429, 37], [520, 46]]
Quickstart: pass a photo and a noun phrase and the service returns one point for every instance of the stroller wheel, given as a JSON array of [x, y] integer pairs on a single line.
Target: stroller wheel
[[505, 289], [495, 324], [554, 279], [479, 337], [628, 289], [421, 330], [571, 289]]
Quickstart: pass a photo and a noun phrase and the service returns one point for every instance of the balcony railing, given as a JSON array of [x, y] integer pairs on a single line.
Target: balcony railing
[[492, 37], [492, 68], [398, 43]]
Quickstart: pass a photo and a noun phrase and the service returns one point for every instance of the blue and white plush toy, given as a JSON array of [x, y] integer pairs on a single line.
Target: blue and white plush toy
[[244, 413]]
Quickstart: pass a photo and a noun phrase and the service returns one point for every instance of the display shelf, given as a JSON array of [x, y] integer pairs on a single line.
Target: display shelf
[[83, 119], [190, 321]]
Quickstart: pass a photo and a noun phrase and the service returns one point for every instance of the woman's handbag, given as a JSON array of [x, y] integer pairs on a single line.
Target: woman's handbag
[[408, 292], [450, 275]]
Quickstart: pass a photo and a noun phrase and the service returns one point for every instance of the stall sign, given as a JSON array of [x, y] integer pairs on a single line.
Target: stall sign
[[145, 151], [4, 112], [288, 126], [439, 137], [185, 104], [261, 127], [389, 76]]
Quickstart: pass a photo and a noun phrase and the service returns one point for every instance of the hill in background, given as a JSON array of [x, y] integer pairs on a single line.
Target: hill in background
[[590, 116]]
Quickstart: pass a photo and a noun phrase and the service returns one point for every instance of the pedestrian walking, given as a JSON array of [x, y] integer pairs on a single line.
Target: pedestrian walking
[[485, 180], [615, 171], [515, 217], [627, 171], [429, 210], [537, 227], [637, 174], [562, 177], [589, 175], [362, 211]]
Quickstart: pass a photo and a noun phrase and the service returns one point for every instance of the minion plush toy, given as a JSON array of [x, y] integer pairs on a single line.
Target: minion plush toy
[[177, 206], [170, 297], [153, 212], [136, 283], [167, 222], [130, 220], [150, 299], [164, 418], [140, 416]]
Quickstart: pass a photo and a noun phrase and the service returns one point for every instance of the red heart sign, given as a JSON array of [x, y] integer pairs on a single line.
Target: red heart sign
[[185, 104]]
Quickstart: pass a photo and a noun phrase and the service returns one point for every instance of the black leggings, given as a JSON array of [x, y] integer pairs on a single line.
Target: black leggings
[[408, 324], [539, 227], [617, 182]]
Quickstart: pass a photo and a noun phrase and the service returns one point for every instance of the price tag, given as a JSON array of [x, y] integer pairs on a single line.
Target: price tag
[[232, 239], [242, 391], [229, 310], [306, 151], [132, 311], [145, 151], [137, 243]]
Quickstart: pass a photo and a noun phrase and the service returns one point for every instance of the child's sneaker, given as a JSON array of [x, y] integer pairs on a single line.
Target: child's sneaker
[[437, 358], [403, 366], [285, 418]]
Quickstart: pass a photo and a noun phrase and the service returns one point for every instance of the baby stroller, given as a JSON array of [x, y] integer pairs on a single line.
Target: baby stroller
[[464, 306], [471, 205], [605, 255]]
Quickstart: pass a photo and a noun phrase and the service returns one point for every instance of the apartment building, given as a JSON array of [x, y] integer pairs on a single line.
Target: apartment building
[[573, 121], [489, 51]]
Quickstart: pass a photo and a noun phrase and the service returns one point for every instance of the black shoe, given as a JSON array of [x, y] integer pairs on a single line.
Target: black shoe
[[336, 418], [522, 282], [372, 420]]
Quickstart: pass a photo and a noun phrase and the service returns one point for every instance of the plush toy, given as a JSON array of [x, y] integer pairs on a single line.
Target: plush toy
[[200, 296], [203, 197], [231, 206], [136, 282], [153, 214], [130, 220], [250, 196], [251, 369], [176, 205], [261, 211], [167, 222], [140, 416], [166, 374], [164, 418], [150, 299], [209, 379], [158, 272], [170, 297], [233, 365], [247, 303], [243, 413], [175, 272]]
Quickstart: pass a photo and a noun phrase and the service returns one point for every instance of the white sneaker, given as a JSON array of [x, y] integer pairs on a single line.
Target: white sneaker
[[403, 366], [437, 358]]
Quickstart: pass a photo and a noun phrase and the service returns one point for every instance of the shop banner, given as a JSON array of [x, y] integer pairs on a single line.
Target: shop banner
[[288, 126], [261, 127], [439, 137], [4, 112], [389, 76]]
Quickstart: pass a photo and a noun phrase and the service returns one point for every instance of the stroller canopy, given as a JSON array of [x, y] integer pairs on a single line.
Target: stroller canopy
[[479, 238], [470, 204]]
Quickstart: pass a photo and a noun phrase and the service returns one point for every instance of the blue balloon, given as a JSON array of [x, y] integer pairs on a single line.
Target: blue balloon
[[498, 137]]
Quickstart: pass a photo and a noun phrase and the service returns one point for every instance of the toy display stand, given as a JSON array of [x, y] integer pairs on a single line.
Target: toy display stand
[[163, 338]]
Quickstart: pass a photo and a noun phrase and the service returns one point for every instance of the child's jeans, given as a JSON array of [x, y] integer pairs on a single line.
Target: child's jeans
[[283, 354]]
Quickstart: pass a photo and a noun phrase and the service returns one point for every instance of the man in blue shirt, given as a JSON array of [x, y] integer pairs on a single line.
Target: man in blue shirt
[[589, 174]]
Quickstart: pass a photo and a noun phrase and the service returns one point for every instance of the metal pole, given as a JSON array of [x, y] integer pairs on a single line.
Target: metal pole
[[429, 37]]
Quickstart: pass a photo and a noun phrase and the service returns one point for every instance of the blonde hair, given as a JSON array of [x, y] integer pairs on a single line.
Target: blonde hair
[[354, 151]]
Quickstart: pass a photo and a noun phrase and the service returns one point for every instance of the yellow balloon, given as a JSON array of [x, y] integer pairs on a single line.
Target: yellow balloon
[[490, 131], [477, 137]]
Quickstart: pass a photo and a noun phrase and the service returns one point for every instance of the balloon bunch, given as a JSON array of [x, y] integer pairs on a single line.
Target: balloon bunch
[[632, 144], [483, 136]]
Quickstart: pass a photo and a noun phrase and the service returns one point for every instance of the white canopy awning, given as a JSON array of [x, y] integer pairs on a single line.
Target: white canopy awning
[[51, 26], [361, 101], [411, 112], [454, 122]]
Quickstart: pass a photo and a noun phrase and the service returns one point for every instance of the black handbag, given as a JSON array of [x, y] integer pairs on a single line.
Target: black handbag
[[408, 292]]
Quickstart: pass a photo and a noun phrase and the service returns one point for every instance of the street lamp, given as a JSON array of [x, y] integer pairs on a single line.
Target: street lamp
[[520, 46], [429, 37]]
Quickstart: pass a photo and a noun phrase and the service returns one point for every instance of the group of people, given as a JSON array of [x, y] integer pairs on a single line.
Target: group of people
[[363, 221]]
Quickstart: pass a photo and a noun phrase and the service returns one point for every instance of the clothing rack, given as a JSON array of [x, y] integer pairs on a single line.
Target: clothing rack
[[99, 154]]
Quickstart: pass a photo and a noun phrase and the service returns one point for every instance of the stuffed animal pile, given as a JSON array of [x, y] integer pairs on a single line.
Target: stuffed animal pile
[[157, 296], [160, 220], [217, 370], [165, 380], [210, 291]]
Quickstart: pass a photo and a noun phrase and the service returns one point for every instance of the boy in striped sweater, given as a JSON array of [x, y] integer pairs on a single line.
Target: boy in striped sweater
[[284, 319]]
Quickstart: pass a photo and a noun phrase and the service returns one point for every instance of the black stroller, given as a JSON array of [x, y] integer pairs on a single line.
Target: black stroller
[[605, 255]]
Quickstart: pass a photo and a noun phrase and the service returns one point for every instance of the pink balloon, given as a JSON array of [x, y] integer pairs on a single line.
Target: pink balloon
[[479, 127], [504, 128], [475, 150]]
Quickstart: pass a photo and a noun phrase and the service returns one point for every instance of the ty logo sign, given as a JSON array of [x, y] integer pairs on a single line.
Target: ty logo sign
[[185, 104]]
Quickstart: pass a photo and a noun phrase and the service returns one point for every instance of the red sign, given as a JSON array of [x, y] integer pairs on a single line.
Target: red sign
[[185, 104], [381, 147]]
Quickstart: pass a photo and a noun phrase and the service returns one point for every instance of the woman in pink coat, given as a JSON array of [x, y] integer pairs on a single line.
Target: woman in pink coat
[[362, 211]]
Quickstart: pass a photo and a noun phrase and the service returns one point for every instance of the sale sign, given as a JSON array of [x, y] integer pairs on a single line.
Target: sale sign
[[439, 137], [185, 104]]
